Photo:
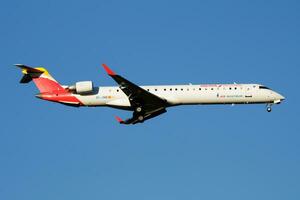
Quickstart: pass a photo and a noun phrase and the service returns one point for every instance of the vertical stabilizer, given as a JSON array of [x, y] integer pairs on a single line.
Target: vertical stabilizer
[[42, 79]]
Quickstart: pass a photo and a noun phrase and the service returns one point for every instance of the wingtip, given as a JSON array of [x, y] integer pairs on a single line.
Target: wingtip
[[119, 120], [108, 70]]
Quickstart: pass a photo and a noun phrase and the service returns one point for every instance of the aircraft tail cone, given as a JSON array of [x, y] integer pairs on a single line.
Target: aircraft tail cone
[[40, 96]]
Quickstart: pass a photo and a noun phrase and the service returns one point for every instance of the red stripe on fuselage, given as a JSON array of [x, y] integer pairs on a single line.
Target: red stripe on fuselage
[[62, 97]]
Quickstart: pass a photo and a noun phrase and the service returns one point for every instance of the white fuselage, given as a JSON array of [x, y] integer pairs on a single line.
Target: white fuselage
[[187, 95]]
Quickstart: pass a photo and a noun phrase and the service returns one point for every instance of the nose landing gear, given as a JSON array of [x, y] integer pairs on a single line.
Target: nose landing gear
[[269, 108]]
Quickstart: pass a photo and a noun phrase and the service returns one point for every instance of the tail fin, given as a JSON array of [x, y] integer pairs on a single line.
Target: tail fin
[[41, 77]]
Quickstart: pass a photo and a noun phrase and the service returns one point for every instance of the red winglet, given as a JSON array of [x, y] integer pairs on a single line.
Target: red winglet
[[109, 71], [119, 120]]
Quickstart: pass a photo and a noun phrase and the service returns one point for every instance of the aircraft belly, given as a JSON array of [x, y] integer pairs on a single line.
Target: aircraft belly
[[122, 102], [92, 100]]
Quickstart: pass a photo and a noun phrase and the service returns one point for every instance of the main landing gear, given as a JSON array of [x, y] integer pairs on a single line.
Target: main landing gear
[[139, 112], [141, 118], [139, 109]]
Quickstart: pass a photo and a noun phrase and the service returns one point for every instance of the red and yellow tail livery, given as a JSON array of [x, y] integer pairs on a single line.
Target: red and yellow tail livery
[[42, 79], [49, 88]]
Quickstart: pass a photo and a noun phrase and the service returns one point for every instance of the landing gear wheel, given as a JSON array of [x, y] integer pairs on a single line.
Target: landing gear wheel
[[141, 118], [269, 109], [138, 109]]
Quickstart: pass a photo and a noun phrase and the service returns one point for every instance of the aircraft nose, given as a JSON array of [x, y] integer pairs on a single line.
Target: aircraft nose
[[280, 97]]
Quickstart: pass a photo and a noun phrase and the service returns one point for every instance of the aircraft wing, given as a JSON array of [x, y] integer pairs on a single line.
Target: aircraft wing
[[145, 104]]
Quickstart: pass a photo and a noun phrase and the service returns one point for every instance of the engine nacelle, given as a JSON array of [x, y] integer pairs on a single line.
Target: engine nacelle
[[82, 87]]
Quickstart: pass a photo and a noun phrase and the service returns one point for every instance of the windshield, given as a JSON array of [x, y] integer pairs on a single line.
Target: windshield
[[264, 87]]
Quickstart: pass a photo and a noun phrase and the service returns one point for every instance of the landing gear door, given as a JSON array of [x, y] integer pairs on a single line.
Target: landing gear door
[[248, 93]]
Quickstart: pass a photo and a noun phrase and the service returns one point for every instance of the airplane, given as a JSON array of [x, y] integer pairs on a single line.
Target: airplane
[[146, 102]]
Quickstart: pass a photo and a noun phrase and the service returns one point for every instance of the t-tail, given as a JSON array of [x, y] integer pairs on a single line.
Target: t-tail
[[49, 88]]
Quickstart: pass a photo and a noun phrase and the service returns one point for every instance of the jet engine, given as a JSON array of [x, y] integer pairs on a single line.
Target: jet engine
[[82, 87]]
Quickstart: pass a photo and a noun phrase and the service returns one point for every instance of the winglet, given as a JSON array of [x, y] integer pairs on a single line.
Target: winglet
[[108, 70], [119, 120]]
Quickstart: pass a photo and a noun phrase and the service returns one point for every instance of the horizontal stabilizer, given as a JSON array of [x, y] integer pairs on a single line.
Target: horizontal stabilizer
[[29, 73], [27, 69]]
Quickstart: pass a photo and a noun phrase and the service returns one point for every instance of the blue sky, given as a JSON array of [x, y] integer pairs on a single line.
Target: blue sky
[[49, 151]]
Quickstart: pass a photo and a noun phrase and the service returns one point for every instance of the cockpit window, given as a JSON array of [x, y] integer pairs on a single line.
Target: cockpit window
[[264, 87]]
